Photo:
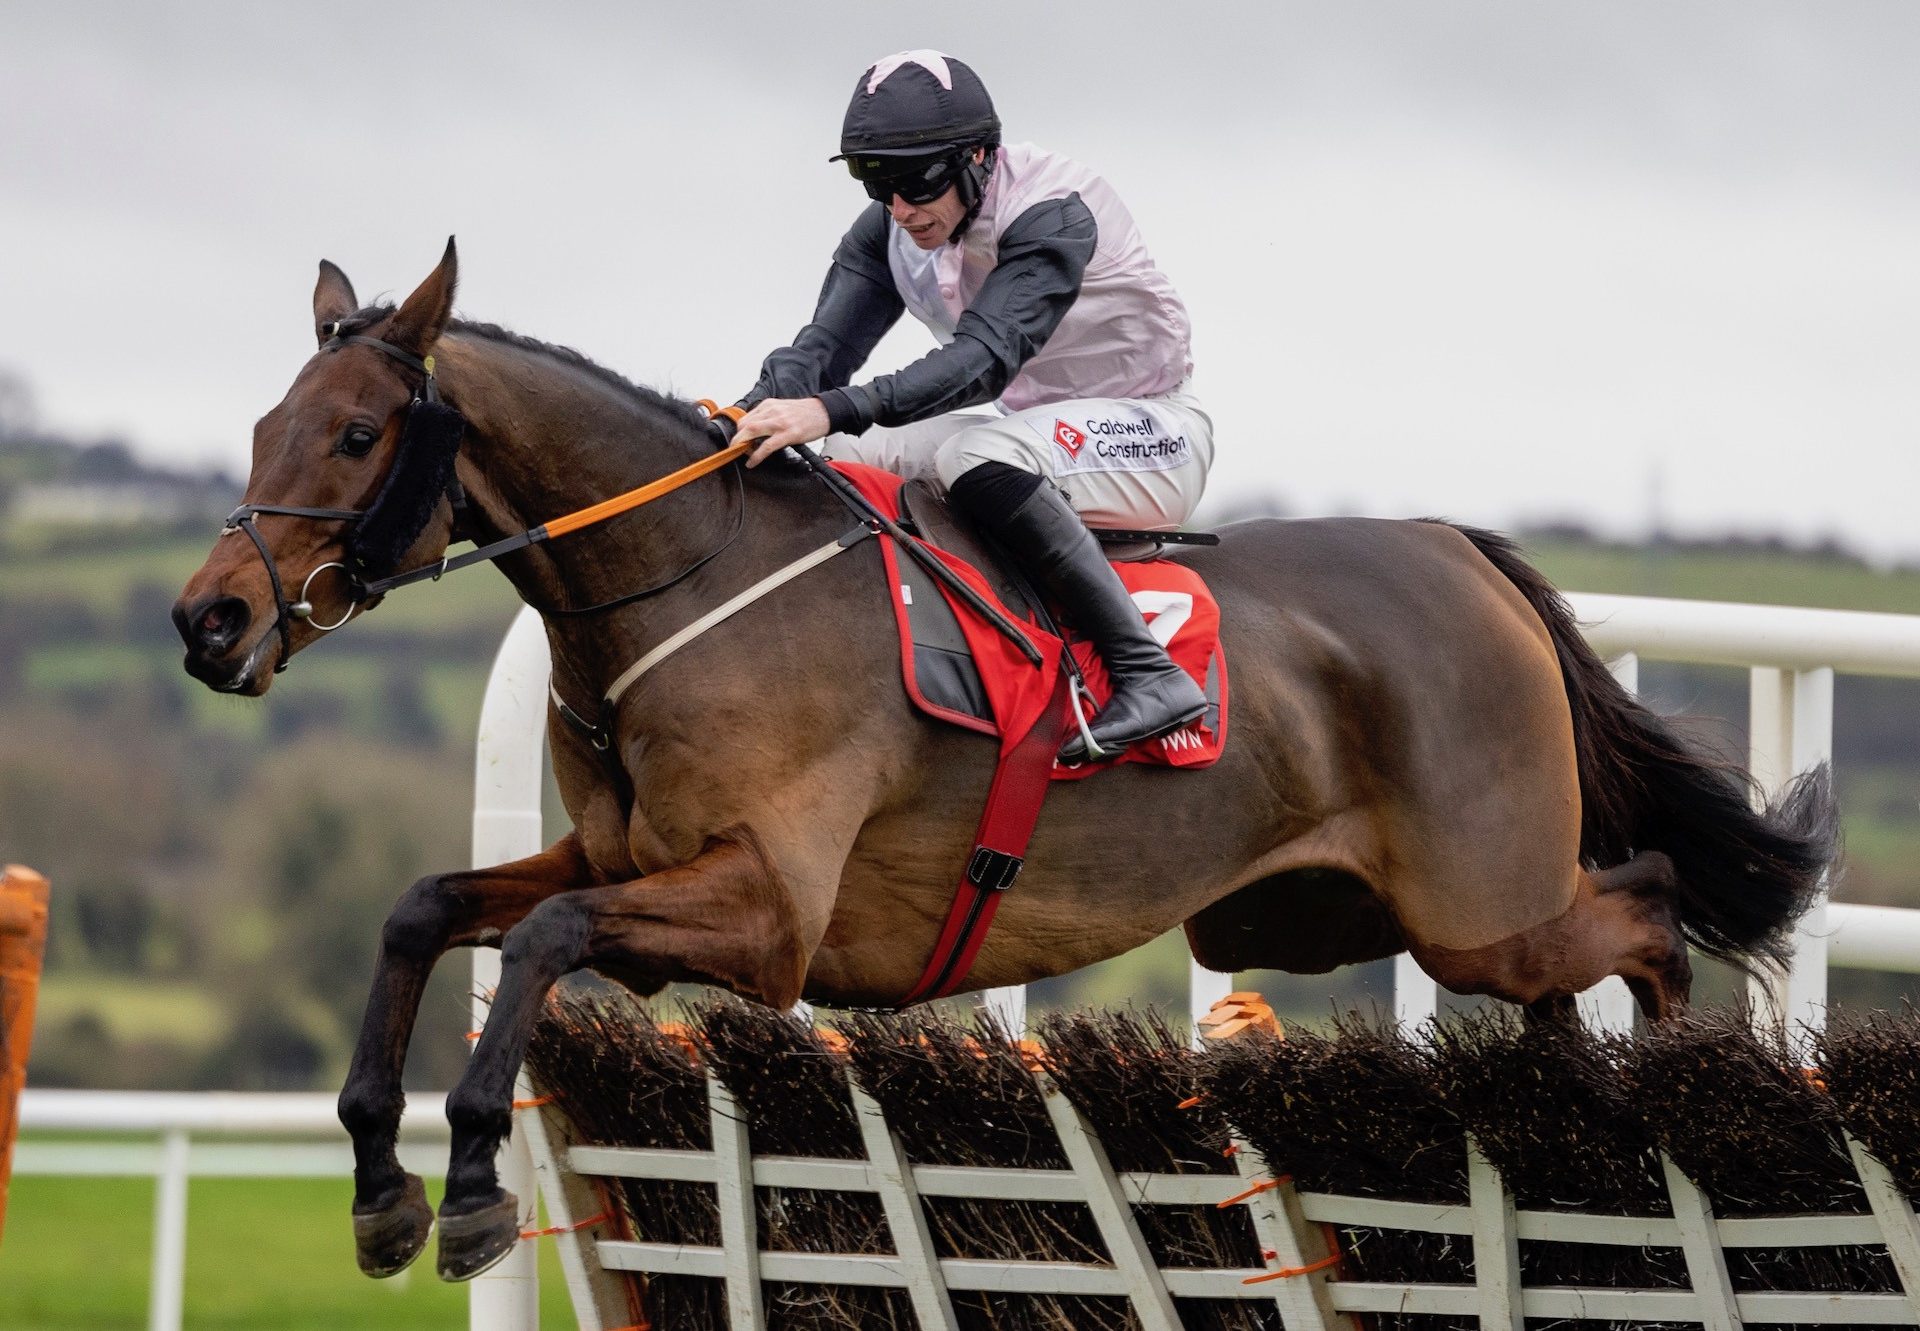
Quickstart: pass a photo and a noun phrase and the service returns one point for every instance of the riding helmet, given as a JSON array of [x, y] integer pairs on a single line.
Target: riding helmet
[[918, 105], [917, 102]]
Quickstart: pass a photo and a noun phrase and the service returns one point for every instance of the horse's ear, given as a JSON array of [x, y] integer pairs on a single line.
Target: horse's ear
[[333, 298], [423, 316]]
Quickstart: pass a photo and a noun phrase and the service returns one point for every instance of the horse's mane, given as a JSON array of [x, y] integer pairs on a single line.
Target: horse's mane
[[639, 394]]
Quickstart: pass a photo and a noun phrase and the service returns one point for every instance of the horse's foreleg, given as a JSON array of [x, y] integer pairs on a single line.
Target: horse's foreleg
[[725, 918], [391, 1217]]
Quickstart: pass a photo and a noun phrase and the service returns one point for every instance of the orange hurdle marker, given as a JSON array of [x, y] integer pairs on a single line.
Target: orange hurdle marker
[[23, 941], [1236, 1014]]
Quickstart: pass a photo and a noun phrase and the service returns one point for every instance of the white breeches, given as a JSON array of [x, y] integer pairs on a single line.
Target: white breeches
[[1121, 462]]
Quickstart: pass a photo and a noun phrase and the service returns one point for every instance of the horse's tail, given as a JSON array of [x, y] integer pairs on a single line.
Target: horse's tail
[[1744, 877]]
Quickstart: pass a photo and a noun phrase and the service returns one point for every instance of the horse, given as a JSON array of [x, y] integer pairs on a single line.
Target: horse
[[1425, 754]]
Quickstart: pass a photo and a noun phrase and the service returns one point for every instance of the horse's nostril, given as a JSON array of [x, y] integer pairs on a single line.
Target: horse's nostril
[[220, 624]]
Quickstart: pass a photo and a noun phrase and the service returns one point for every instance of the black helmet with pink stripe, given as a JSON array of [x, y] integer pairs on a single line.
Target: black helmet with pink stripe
[[912, 127], [915, 103]]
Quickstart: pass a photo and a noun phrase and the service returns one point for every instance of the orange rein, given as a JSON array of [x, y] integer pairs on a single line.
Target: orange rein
[[566, 523], [610, 508], [652, 490]]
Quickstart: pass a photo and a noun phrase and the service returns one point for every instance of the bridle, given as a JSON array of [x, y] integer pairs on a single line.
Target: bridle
[[430, 439], [426, 415]]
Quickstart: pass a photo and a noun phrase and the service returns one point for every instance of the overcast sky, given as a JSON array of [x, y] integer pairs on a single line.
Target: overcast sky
[[1496, 261]]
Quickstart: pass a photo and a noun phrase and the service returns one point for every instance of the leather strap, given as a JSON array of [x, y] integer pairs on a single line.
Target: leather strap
[[424, 364], [246, 511], [243, 520], [714, 411], [598, 735], [1020, 784], [728, 609]]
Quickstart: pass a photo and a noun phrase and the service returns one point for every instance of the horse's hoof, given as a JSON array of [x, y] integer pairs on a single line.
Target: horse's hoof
[[387, 1241], [478, 1240]]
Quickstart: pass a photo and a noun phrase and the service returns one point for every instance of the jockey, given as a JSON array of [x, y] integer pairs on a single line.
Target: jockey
[[1033, 278]]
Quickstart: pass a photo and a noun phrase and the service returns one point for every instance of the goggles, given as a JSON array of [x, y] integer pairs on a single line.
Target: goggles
[[915, 179]]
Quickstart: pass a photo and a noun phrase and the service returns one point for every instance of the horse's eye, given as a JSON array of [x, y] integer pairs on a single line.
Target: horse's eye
[[358, 441]]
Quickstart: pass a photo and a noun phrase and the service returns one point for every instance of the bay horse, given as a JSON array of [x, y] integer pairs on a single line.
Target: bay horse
[[1425, 753]]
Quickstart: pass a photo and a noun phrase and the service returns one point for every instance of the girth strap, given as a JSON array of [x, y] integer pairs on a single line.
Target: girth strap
[[1020, 784]]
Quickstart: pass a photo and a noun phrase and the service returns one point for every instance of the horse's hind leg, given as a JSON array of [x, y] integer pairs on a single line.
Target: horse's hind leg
[[1556, 1009], [724, 918], [1659, 972], [1621, 922], [391, 1217]]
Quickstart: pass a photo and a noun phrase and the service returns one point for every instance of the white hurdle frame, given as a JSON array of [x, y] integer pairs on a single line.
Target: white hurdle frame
[[1287, 1222], [509, 772], [1792, 654]]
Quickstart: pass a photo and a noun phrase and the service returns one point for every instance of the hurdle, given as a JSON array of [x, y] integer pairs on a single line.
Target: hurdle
[[1293, 1239]]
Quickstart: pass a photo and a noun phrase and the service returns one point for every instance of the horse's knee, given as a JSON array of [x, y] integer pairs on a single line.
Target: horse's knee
[[1497, 969], [365, 1107], [421, 921], [552, 939], [1677, 977], [1535, 966], [1660, 973]]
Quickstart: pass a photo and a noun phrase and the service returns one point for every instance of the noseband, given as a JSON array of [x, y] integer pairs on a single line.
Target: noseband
[[422, 471]]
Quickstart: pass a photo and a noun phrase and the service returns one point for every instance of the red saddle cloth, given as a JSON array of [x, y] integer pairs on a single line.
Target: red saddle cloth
[[961, 669]]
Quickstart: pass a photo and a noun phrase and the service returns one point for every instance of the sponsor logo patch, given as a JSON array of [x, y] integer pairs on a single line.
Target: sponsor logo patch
[[1124, 439]]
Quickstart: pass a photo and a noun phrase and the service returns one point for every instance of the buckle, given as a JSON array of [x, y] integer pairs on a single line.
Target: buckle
[[993, 870], [600, 737]]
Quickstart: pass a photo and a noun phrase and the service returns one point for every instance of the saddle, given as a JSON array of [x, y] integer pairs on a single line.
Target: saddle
[[957, 668], [927, 514]]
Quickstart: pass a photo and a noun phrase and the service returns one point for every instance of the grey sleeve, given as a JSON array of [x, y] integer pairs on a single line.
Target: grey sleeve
[[857, 305], [1043, 257]]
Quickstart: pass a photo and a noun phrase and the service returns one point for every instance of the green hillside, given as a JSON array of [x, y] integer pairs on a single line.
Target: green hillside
[[1766, 576]]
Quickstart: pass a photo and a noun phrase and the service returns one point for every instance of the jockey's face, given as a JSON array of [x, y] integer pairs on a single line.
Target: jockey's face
[[930, 225]]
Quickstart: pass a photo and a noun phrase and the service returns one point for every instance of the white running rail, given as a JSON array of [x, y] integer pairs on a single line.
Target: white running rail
[[1792, 654], [311, 1144]]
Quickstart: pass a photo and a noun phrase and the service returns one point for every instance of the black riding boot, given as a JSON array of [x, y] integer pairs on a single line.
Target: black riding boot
[[1151, 695]]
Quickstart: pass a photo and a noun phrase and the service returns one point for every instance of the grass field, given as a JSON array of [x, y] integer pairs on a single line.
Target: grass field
[[261, 1253]]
